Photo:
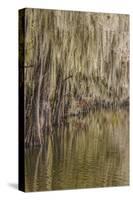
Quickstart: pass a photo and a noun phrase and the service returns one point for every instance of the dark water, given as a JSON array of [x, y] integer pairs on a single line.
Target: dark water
[[90, 151]]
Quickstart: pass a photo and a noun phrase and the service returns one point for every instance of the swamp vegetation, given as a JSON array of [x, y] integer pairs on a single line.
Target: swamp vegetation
[[76, 98], [73, 61]]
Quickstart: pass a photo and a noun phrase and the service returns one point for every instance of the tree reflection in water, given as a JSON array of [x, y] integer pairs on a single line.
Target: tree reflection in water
[[90, 151]]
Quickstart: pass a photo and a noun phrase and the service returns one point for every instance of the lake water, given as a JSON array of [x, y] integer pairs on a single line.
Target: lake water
[[89, 151]]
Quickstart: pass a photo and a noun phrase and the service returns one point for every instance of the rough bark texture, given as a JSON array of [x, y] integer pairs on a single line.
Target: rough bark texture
[[73, 60]]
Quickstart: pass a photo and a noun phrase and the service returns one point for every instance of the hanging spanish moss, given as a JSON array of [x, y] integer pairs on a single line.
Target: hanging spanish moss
[[75, 62]]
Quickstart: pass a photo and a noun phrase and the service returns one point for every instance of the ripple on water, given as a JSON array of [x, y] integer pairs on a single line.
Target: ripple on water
[[91, 152]]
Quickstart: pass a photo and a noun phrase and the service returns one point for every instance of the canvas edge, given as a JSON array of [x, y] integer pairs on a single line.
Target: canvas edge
[[72, 10], [21, 157]]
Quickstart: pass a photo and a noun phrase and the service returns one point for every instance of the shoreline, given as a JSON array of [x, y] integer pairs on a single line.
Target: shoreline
[[102, 104]]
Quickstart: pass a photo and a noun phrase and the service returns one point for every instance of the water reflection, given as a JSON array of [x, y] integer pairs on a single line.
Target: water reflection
[[90, 151]]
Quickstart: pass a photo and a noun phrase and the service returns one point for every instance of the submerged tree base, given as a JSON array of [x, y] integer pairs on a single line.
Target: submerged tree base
[[96, 106]]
